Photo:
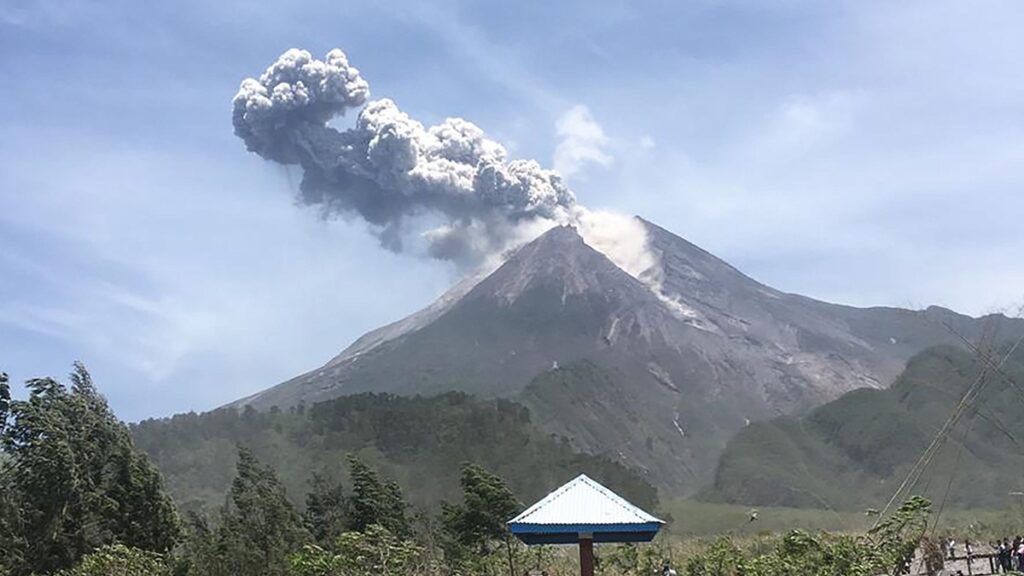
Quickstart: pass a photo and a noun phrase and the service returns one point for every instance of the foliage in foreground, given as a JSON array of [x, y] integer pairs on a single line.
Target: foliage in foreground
[[76, 499], [886, 549], [71, 481], [119, 560], [371, 553], [378, 551]]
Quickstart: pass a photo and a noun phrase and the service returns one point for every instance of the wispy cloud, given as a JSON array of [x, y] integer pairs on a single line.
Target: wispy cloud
[[581, 141]]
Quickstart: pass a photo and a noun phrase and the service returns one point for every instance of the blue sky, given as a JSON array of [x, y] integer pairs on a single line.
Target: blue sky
[[869, 153]]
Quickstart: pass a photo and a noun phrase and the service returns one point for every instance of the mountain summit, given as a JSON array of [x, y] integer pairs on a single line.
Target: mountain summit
[[658, 372]]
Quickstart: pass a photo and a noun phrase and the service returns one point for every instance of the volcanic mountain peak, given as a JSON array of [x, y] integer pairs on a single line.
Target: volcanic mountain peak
[[560, 259], [660, 370]]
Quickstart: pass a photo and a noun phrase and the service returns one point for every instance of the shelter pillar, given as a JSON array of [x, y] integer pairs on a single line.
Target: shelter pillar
[[586, 555]]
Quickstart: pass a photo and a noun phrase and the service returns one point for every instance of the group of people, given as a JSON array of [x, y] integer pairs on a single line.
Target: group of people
[[1009, 554]]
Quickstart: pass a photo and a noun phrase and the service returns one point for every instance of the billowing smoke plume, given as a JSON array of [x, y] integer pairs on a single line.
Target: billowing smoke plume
[[390, 169]]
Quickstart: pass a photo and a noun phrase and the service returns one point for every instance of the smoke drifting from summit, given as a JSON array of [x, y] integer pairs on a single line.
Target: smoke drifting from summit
[[389, 168], [397, 174]]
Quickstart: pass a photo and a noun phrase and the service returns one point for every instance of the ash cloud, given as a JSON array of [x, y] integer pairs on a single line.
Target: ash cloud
[[396, 173], [390, 169]]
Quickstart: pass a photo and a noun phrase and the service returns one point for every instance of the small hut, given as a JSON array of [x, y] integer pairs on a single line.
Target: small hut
[[584, 512]]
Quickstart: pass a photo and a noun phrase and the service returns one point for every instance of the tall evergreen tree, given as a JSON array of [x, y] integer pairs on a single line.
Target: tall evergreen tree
[[259, 528], [375, 503], [79, 482], [326, 516], [487, 505]]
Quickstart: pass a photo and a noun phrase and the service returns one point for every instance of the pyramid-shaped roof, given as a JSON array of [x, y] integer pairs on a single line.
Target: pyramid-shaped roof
[[584, 503]]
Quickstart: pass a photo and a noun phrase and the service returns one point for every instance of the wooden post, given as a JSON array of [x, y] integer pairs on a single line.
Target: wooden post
[[586, 555]]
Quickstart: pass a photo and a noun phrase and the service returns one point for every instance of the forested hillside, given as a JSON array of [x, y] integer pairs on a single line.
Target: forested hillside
[[78, 498], [419, 442], [853, 452]]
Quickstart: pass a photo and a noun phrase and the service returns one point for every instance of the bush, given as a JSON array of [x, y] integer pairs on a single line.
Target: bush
[[120, 561], [371, 553], [886, 549]]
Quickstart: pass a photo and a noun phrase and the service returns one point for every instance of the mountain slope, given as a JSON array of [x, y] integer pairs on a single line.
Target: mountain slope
[[854, 451], [674, 371]]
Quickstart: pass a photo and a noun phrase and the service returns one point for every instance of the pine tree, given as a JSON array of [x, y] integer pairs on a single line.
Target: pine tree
[[487, 505], [326, 516], [259, 528], [375, 503], [79, 482]]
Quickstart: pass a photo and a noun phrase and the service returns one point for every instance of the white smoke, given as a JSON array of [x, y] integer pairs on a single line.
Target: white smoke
[[392, 170], [622, 238], [582, 141]]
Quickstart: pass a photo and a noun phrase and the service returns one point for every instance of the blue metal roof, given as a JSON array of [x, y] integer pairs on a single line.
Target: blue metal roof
[[583, 506]]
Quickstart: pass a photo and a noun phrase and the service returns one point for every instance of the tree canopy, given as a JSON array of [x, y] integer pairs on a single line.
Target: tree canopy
[[73, 481]]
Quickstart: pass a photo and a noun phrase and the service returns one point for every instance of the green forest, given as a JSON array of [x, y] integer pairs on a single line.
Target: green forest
[[78, 497], [408, 439]]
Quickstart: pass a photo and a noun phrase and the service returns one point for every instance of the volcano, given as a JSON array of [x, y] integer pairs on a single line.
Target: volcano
[[659, 378]]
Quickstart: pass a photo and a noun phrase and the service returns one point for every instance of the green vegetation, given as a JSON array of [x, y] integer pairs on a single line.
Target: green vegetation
[[121, 560], [852, 453], [697, 519], [78, 499], [258, 527], [883, 550], [470, 528], [71, 481], [370, 553], [405, 438]]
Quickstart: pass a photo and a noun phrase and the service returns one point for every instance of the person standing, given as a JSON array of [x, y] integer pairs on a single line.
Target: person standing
[[1020, 553]]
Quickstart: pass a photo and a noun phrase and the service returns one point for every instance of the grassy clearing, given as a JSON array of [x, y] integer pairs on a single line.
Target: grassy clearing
[[694, 519], [691, 518]]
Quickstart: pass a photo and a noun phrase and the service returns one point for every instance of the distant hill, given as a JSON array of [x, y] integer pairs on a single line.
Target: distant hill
[[853, 452], [420, 442], [658, 379]]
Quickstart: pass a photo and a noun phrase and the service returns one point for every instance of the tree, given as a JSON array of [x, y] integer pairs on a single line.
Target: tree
[[5, 400], [371, 553], [78, 481], [326, 515], [375, 503], [259, 528], [13, 544], [120, 560], [470, 528], [487, 505]]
